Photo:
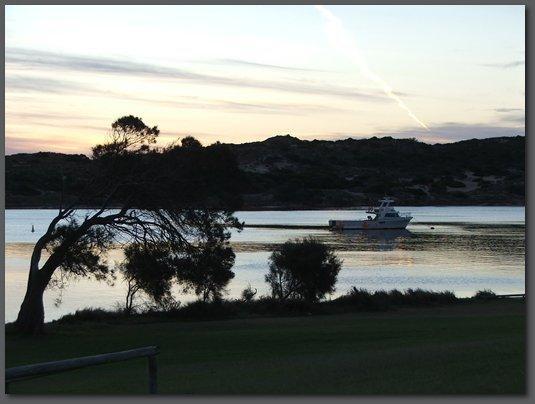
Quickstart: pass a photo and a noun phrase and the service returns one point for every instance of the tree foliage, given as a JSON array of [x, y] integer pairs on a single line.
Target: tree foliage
[[304, 269], [86, 255], [148, 269], [128, 135], [206, 270], [182, 197]]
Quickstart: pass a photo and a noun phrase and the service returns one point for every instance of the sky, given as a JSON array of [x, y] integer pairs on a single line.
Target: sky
[[239, 74]]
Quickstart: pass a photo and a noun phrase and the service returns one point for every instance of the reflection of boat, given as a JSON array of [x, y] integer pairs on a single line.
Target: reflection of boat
[[379, 235], [384, 240], [386, 217]]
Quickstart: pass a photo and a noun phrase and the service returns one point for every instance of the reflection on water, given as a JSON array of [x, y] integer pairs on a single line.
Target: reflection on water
[[467, 255], [381, 240]]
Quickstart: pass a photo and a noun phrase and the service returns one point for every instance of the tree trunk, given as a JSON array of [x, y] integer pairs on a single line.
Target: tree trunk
[[31, 316]]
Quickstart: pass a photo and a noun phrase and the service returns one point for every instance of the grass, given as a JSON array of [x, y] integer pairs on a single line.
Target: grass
[[475, 347]]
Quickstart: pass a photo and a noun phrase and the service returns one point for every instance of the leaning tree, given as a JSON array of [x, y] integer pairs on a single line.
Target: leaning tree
[[180, 196]]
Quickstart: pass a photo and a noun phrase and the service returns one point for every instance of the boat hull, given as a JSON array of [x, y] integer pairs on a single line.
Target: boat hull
[[400, 223]]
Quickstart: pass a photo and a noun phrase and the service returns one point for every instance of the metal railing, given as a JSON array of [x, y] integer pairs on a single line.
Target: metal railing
[[46, 368]]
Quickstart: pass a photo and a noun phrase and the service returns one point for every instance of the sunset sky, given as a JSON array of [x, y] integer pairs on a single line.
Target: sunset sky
[[245, 73]]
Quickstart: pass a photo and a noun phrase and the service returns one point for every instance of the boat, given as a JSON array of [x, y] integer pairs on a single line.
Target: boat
[[386, 217]]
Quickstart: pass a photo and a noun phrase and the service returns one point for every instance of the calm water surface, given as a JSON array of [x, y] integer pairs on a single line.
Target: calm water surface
[[469, 249]]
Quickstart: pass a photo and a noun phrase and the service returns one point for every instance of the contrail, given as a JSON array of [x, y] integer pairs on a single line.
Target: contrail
[[341, 40]]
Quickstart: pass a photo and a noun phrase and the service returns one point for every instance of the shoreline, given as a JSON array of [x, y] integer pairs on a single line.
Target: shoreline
[[237, 309]]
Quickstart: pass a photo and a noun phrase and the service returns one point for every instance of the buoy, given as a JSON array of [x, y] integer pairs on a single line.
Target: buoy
[[432, 228], [33, 230]]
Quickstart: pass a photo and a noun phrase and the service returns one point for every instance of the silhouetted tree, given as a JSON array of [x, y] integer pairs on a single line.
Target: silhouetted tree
[[207, 269], [303, 269], [149, 269], [191, 142], [144, 194]]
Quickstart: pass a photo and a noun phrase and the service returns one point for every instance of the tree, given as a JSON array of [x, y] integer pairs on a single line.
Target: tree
[[190, 142], [303, 269], [143, 194], [207, 269], [149, 269]]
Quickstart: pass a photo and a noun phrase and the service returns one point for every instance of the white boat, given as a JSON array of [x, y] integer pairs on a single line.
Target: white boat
[[386, 217]]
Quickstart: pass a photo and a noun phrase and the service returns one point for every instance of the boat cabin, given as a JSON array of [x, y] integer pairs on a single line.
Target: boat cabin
[[386, 217]]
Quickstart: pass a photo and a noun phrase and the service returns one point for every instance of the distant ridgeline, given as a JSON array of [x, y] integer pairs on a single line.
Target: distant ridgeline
[[284, 172]]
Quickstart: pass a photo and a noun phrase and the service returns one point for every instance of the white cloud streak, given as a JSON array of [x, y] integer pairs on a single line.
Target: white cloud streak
[[343, 41]]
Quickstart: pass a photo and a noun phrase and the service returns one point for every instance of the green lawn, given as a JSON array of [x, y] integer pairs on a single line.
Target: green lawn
[[471, 348]]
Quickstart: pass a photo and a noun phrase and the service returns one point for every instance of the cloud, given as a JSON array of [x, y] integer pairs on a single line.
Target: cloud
[[516, 115], [265, 65], [47, 60], [241, 107], [508, 109], [46, 85], [16, 144], [517, 118], [506, 65], [37, 59]]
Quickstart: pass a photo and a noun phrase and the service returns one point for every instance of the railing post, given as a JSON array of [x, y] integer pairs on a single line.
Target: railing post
[[41, 369], [153, 374]]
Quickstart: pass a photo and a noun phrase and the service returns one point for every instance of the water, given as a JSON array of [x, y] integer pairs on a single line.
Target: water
[[469, 249]]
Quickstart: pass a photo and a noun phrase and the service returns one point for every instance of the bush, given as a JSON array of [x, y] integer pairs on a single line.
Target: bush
[[356, 296], [421, 297], [485, 295], [382, 300], [167, 304], [267, 305], [204, 310], [90, 315], [304, 269], [354, 300], [248, 294]]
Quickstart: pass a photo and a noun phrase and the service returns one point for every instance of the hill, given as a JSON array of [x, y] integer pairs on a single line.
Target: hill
[[284, 172]]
